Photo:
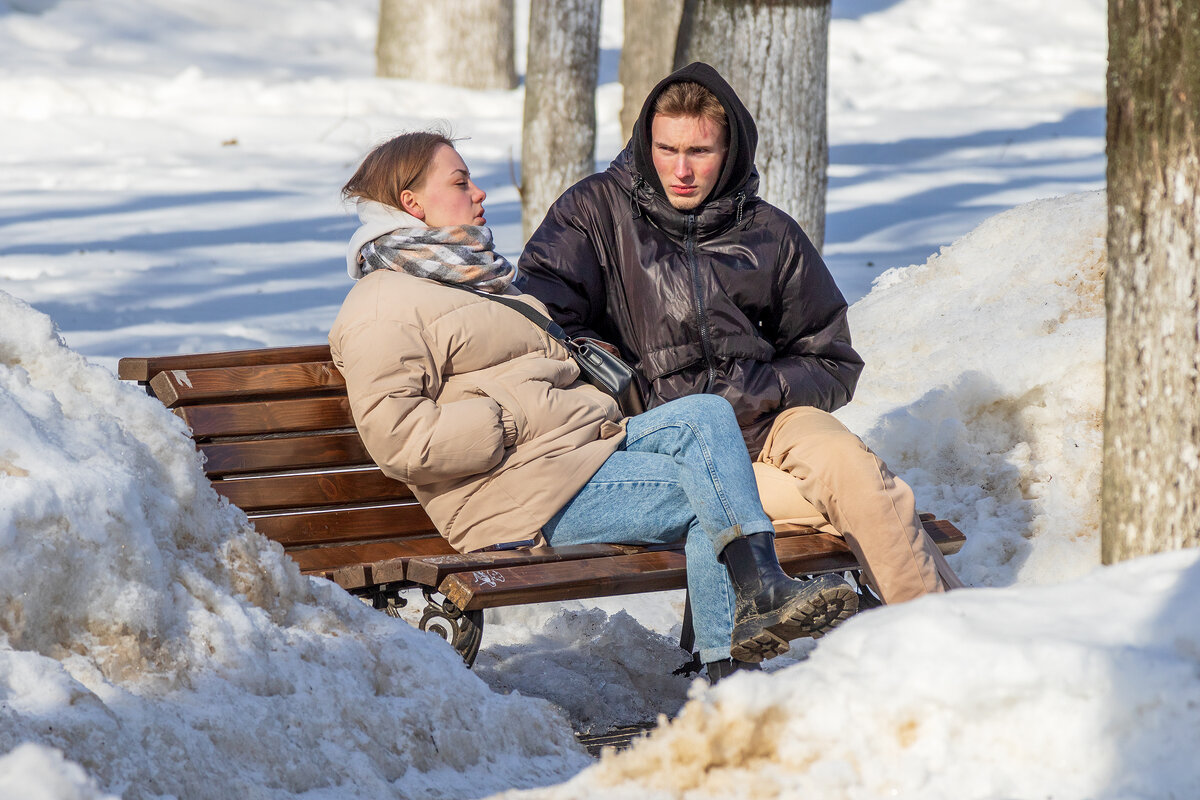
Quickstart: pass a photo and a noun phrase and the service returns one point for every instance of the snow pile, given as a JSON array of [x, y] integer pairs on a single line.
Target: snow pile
[[984, 387], [164, 647], [1088, 689]]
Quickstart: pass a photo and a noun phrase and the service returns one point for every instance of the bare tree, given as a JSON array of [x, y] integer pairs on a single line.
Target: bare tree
[[648, 53], [465, 43], [558, 140], [775, 55], [1151, 494]]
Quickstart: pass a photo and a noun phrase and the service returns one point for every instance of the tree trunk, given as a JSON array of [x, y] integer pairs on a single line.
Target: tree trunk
[[1151, 494], [466, 43], [775, 54], [648, 54], [558, 140]]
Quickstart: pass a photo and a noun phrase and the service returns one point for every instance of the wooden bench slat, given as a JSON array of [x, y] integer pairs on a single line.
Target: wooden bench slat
[[805, 554], [267, 417], [948, 538], [181, 387], [292, 453], [358, 566], [433, 570], [801, 550], [277, 492], [566, 580], [346, 525], [144, 368]]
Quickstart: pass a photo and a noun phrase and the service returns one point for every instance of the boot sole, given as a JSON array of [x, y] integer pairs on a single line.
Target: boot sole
[[814, 617]]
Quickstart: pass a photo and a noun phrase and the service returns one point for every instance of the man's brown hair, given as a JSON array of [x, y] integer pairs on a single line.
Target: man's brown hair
[[690, 99], [395, 165]]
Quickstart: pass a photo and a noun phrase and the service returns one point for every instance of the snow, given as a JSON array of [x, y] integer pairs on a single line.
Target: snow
[[169, 175], [151, 636], [1082, 689]]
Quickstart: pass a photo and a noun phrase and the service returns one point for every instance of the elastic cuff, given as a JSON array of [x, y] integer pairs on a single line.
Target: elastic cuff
[[510, 427]]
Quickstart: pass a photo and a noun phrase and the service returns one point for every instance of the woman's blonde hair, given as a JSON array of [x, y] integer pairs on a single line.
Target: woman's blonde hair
[[397, 164]]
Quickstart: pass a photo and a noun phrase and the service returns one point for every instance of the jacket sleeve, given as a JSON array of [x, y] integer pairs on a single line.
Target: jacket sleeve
[[815, 362], [392, 373], [560, 266]]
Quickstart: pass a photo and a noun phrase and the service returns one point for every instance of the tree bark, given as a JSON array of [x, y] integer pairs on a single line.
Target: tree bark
[[466, 43], [648, 53], [1151, 483], [558, 139], [775, 54]]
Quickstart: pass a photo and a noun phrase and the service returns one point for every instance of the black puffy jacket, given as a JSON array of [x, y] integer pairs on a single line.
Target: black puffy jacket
[[730, 298]]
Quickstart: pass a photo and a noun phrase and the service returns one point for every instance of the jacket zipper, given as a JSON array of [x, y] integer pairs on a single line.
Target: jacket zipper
[[701, 313]]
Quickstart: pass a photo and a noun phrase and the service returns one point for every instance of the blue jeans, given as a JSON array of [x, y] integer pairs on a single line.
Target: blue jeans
[[683, 472]]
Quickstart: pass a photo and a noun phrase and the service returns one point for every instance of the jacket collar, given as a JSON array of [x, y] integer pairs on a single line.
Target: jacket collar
[[377, 220], [711, 218]]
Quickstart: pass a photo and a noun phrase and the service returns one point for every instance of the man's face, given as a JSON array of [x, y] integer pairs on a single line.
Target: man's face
[[688, 153]]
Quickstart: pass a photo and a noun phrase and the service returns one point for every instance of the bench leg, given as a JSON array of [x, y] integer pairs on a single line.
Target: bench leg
[[462, 629]]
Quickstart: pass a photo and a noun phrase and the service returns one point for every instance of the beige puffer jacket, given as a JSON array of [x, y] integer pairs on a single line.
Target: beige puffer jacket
[[471, 405]]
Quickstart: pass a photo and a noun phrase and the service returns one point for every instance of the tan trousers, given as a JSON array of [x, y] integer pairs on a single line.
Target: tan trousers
[[814, 471]]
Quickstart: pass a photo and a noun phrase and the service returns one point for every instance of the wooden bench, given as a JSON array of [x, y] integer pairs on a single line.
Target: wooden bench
[[275, 429]]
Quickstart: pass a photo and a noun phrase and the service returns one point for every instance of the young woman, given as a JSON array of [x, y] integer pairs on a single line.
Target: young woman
[[484, 417]]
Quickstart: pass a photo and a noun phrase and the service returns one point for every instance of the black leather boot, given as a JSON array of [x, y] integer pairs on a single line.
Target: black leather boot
[[716, 670], [771, 608]]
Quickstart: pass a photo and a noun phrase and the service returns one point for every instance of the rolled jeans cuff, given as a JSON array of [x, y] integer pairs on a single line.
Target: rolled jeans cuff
[[722, 539], [711, 654]]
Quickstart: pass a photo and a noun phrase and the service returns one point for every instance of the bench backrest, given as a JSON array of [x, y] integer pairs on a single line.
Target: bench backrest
[[279, 442]]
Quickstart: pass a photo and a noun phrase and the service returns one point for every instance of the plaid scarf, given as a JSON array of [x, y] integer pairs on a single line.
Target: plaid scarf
[[461, 254]]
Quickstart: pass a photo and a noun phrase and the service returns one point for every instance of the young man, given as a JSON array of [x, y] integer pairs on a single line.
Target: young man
[[672, 258]]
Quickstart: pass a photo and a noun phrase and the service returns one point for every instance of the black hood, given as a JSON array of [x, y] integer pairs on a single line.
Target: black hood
[[743, 135]]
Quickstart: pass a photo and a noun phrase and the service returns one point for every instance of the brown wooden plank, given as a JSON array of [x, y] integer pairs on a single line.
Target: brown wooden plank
[[486, 580], [948, 538], [145, 368], [566, 580], [181, 387], [358, 566], [433, 570], [345, 526], [291, 452], [806, 554], [277, 492], [268, 416], [815, 554]]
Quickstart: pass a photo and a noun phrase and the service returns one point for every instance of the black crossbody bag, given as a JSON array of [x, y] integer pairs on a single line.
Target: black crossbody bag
[[597, 366]]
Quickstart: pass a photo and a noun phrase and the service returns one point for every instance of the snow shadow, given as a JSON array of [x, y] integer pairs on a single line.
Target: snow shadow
[[1156, 694], [135, 205], [857, 9], [26, 6], [906, 227], [601, 670]]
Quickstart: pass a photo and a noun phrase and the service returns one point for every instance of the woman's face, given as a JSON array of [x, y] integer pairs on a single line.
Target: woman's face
[[448, 196]]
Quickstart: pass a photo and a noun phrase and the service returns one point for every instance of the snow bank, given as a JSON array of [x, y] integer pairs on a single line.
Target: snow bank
[[1087, 689], [151, 637], [984, 387]]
